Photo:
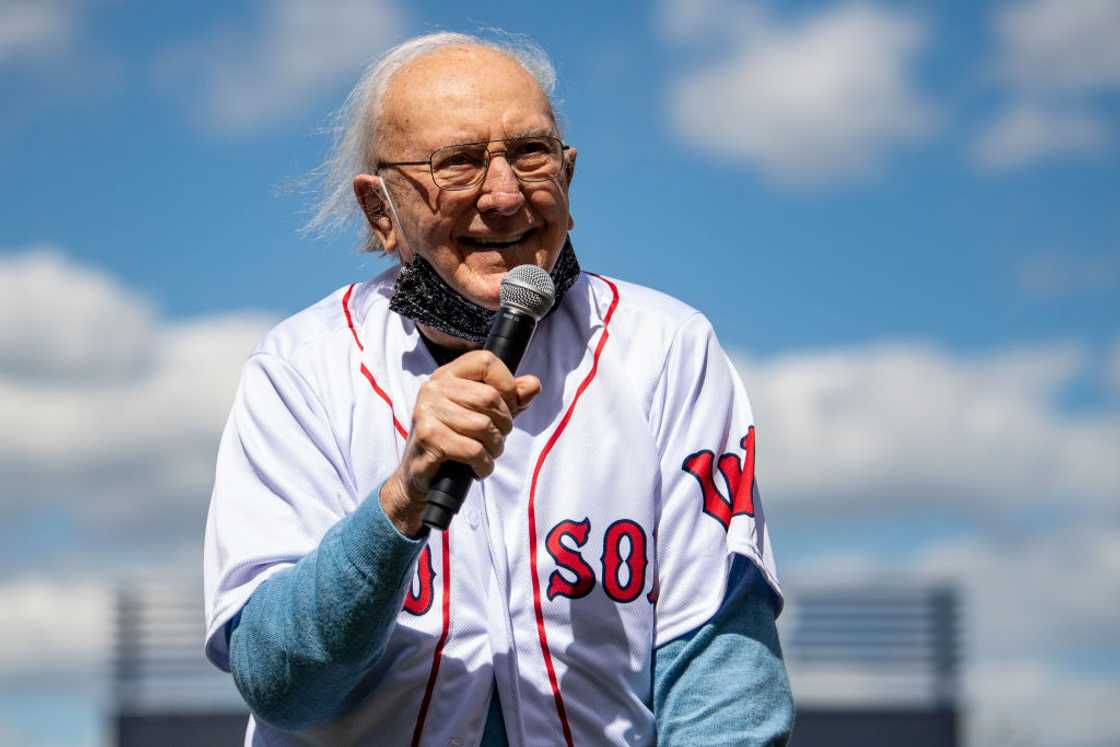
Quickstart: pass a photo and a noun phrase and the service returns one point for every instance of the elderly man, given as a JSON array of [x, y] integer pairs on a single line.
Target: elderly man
[[609, 579]]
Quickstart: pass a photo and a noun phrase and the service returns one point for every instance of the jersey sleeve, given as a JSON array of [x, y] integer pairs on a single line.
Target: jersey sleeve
[[710, 508], [281, 482]]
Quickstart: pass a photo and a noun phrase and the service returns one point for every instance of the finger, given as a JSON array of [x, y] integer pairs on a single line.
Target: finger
[[485, 367], [458, 448], [472, 424], [483, 398], [437, 443], [527, 388]]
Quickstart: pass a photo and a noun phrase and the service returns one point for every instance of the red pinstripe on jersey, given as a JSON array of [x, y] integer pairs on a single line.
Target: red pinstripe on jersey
[[422, 716], [349, 320], [381, 393], [365, 371], [541, 634]]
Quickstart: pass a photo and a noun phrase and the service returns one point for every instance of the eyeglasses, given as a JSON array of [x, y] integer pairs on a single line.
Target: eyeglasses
[[533, 159]]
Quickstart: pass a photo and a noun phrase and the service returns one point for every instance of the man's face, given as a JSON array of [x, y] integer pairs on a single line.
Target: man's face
[[474, 236]]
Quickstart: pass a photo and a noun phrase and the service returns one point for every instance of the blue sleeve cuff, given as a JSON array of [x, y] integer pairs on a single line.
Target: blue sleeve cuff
[[725, 681], [375, 546]]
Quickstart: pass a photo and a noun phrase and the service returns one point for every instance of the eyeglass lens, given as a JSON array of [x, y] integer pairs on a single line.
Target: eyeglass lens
[[532, 159]]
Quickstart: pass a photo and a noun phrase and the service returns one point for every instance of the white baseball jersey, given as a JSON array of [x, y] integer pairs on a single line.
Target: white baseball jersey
[[605, 530]]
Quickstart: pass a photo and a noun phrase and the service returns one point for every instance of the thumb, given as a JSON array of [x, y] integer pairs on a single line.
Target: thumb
[[527, 387]]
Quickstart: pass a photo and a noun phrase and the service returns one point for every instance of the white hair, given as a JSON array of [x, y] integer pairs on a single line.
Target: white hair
[[355, 125]]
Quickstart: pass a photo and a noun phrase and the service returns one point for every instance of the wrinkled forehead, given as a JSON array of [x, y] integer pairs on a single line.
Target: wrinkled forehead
[[461, 94]]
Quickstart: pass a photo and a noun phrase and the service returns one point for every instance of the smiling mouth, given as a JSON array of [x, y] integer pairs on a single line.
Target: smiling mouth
[[496, 243]]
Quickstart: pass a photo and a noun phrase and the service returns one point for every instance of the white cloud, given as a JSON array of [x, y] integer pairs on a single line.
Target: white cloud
[[31, 29], [701, 20], [102, 330], [1030, 704], [51, 628], [1054, 59], [112, 416], [1038, 596], [1060, 45], [1031, 606], [904, 428], [111, 423], [1031, 133], [1046, 595], [250, 78], [820, 98], [13, 736]]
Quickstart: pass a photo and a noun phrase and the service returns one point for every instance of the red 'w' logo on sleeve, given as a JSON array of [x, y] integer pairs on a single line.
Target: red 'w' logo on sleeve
[[739, 480]]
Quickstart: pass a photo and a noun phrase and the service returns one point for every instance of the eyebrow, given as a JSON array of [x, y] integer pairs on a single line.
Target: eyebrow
[[534, 132]]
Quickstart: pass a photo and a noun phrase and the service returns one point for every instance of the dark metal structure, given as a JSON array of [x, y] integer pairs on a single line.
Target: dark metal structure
[[875, 665], [165, 692]]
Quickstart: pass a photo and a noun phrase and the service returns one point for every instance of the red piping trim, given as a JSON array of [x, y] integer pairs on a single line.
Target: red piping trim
[[381, 393], [437, 657], [365, 371], [560, 711], [349, 320]]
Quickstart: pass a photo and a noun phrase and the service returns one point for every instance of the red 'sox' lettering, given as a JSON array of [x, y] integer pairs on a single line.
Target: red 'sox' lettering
[[569, 560], [418, 600], [636, 561]]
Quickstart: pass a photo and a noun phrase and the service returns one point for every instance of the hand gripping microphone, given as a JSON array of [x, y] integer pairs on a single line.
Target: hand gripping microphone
[[527, 293]]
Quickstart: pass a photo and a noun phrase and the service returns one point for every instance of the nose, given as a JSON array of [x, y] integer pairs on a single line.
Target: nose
[[501, 190]]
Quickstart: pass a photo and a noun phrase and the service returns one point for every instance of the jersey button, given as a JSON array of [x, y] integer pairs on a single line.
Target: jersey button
[[473, 518]]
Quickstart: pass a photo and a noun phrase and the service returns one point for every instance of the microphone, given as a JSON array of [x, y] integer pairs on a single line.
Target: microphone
[[527, 293]]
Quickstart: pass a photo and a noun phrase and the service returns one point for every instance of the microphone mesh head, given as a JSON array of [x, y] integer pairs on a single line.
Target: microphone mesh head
[[529, 288]]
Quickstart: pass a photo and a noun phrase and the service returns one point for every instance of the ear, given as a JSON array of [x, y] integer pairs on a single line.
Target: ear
[[569, 166], [569, 173], [367, 188]]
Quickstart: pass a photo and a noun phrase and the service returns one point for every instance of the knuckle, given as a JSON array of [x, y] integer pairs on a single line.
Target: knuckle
[[479, 422], [494, 398], [495, 433], [425, 431], [433, 452]]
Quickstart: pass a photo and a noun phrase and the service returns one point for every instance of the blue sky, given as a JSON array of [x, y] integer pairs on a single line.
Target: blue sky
[[901, 219]]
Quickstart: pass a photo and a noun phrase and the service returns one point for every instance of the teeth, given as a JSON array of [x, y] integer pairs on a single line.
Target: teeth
[[496, 242]]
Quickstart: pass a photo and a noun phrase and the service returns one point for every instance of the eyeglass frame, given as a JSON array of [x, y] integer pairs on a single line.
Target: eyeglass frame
[[486, 167]]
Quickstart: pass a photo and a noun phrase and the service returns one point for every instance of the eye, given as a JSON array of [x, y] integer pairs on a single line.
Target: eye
[[533, 147], [458, 160]]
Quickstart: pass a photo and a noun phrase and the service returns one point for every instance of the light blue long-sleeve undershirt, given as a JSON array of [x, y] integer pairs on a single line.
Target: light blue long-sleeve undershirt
[[307, 636]]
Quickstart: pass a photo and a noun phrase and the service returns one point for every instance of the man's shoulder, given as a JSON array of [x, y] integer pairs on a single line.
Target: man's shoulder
[[643, 311], [334, 320]]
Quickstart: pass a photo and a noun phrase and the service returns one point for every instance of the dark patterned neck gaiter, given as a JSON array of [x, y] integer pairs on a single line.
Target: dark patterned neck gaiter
[[423, 296]]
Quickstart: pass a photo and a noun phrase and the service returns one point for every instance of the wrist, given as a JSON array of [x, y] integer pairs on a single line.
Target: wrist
[[402, 510]]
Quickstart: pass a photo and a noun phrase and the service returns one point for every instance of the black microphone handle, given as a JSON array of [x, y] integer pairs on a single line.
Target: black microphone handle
[[509, 339]]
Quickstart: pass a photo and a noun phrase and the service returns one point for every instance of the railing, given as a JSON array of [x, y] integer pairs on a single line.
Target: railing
[[158, 659], [881, 644]]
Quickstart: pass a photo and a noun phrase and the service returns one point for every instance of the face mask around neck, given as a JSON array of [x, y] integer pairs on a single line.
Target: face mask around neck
[[424, 297]]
